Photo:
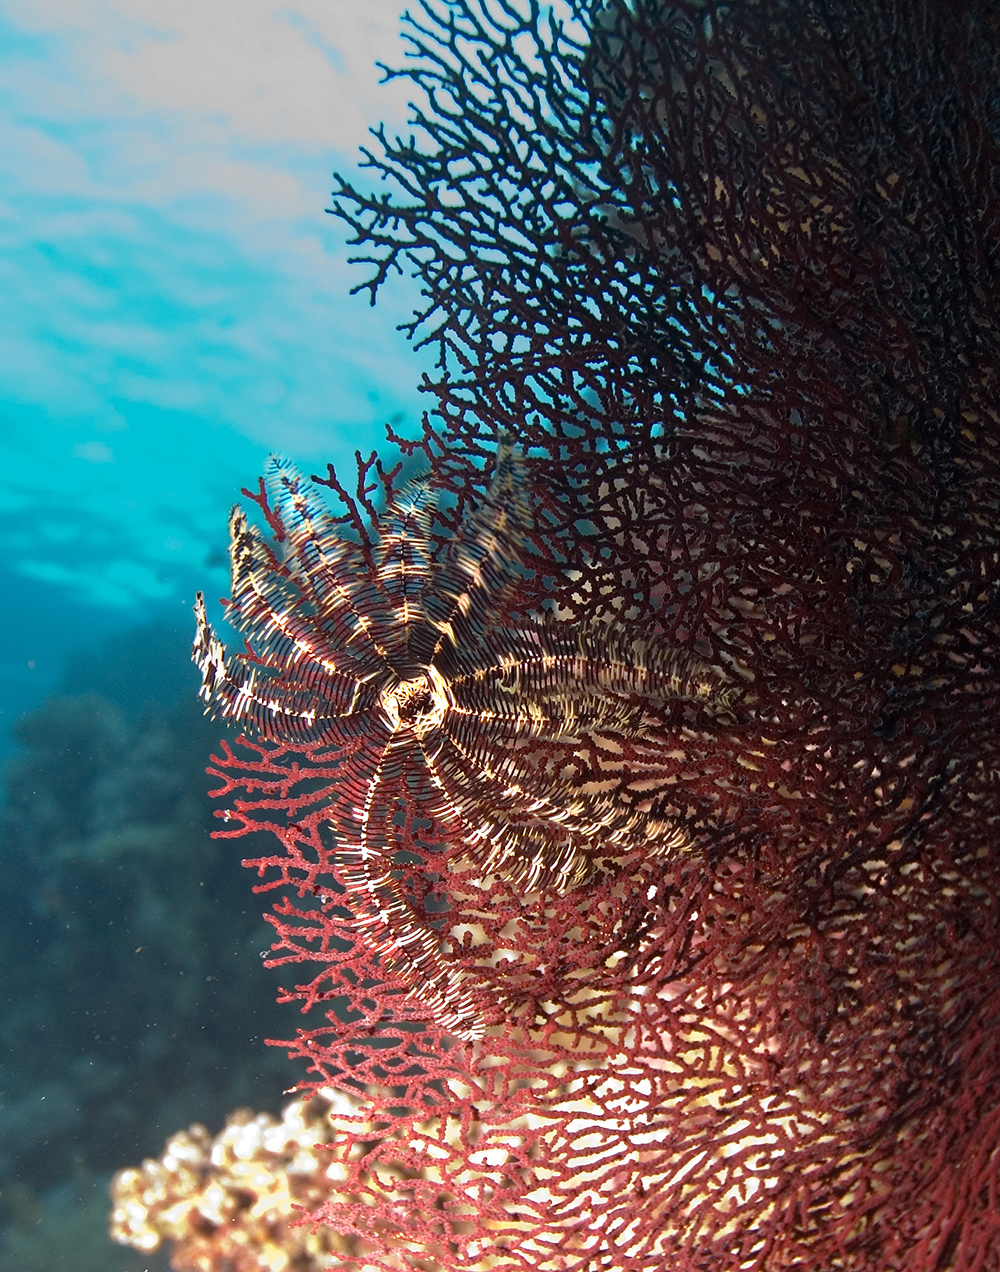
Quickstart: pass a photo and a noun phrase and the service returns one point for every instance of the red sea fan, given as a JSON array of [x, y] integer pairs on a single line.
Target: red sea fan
[[727, 274]]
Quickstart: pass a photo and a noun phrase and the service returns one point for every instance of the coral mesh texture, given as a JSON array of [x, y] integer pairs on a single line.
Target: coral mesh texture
[[727, 273]]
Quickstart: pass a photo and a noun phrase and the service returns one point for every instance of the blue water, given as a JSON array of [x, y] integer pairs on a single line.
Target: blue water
[[112, 519], [175, 303]]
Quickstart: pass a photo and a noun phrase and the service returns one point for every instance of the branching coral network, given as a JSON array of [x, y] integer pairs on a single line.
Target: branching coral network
[[726, 275]]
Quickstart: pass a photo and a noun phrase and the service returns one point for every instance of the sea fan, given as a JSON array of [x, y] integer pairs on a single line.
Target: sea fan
[[727, 273]]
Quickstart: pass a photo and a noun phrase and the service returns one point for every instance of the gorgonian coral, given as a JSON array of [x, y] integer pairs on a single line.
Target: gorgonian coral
[[726, 272]]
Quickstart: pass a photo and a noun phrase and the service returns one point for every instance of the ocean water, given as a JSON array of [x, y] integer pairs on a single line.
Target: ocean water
[[175, 307]]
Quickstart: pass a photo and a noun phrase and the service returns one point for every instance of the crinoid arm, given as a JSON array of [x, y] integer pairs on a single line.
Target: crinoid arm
[[395, 595], [329, 573], [385, 919], [553, 683], [295, 676], [361, 819], [565, 680], [248, 690], [525, 826], [288, 630], [532, 855], [481, 570]]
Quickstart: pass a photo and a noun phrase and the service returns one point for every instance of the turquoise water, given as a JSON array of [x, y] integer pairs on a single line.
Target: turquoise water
[[175, 307]]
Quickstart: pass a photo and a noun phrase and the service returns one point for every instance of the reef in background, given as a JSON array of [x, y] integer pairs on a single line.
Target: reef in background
[[131, 1004]]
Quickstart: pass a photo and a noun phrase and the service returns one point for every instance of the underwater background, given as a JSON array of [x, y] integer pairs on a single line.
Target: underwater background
[[175, 307]]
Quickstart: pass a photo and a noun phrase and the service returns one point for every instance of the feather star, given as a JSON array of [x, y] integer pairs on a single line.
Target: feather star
[[408, 665]]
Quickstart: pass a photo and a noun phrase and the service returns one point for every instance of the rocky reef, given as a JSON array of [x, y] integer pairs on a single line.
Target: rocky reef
[[133, 997]]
